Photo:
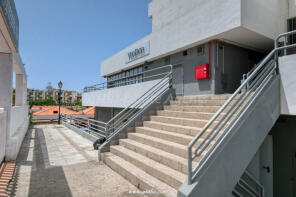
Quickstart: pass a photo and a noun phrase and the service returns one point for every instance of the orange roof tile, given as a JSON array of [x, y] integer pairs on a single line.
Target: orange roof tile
[[89, 111], [50, 111]]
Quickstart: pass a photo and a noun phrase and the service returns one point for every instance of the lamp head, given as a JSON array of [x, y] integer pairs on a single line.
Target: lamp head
[[60, 84]]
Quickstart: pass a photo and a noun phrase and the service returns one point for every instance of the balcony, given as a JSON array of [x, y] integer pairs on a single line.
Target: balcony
[[8, 10]]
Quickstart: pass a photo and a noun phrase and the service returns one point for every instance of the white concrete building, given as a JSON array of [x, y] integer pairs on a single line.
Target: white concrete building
[[14, 120], [210, 46]]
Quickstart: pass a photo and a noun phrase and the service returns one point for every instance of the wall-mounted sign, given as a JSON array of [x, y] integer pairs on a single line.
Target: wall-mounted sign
[[137, 53]]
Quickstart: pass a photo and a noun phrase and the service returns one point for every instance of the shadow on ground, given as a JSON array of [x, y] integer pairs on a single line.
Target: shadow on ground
[[42, 179]]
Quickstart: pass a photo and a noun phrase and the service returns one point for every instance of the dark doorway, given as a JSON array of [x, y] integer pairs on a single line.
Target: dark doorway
[[178, 79]]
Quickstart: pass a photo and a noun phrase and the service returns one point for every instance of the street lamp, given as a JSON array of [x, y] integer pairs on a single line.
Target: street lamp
[[60, 84]]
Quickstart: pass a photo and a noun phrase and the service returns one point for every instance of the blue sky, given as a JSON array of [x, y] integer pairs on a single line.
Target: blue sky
[[68, 39]]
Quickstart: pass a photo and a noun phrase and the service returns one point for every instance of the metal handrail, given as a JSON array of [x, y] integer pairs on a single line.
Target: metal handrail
[[258, 79], [92, 126], [127, 115], [111, 84]]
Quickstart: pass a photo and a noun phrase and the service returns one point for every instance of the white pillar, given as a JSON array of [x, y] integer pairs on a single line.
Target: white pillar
[[6, 71], [19, 90]]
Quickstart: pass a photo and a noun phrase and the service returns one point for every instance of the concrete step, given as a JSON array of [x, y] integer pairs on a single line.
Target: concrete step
[[192, 131], [162, 172], [185, 114], [208, 109], [180, 121], [165, 145], [171, 147], [166, 135], [205, 97], [198, 102], [174, 161], [136, 176]]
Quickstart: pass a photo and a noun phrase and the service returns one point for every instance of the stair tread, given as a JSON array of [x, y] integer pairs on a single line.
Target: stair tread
[[143, 160], [178, 118], [142, 175], [155, 139], [168, 132], [157, 151], [189, 112], [177, 125]]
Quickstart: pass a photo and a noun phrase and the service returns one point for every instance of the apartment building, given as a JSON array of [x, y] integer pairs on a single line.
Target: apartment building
[[67, 96], [205, 104], [14, 120], [35, 95]]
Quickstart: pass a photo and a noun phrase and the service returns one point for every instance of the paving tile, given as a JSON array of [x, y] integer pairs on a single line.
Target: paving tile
[[51, 165]]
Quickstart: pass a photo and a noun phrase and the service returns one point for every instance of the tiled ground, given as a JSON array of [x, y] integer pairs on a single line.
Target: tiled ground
[[55, 161]]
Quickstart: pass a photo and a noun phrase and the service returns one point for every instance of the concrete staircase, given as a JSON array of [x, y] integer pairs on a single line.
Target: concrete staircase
[[154, 156]]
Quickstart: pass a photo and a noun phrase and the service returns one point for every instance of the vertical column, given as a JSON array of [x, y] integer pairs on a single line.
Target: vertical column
[[20, 90], [6, 71]]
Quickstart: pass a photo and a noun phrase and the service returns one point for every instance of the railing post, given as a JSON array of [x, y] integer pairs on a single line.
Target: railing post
[[285, 44], [88, 125], [189, 167]]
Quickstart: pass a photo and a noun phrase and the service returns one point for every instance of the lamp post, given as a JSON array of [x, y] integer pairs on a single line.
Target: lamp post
[[60, 84]]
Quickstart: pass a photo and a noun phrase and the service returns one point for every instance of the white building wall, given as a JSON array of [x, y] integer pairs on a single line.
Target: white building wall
[[118, 97], [3, 119], [266, 17], [178, 25], [287, 67], [18, 128], [292, 8]]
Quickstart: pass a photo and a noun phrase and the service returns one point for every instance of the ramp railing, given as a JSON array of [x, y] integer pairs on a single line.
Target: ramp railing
[[119, 122]]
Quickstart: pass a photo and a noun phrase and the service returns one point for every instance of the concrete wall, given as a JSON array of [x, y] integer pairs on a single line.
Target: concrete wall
[[225, 165], [118, 97], [292, 8], [104, 114], [18, 128], [266, 17], [178, 25], [3, 120], [287, 67]]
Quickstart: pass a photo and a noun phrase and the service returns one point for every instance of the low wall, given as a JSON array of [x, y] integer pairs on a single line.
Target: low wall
[[287, 69], [3, 120], [118, 97], [18, 128]]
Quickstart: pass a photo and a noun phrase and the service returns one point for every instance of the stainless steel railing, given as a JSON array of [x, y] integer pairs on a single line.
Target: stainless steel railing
[[90, 126], [114, 126], [134, 110], [148, 75], [248, 186], [231, 111]]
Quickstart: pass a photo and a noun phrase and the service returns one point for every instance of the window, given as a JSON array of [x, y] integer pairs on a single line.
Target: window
[[200, 50], [292, 27], [185, 53], [167, 60], [55, 112]]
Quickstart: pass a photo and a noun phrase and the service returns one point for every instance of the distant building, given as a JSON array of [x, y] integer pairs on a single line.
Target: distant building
[[67, 96]]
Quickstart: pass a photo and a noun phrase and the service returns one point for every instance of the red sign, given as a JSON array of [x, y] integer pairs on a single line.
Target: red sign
[[202, 71]]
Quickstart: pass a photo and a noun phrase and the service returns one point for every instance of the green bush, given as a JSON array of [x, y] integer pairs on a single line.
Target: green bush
[[42, 102]]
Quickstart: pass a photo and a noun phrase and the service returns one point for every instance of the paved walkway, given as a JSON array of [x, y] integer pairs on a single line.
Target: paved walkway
[[55, 161]]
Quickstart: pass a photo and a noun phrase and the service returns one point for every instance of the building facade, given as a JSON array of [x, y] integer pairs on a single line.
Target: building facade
[[69, 97], [14, 120], [225, 39]]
